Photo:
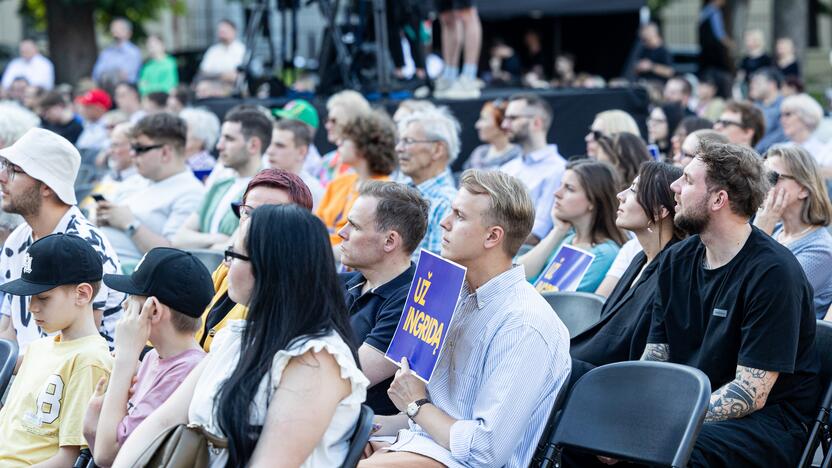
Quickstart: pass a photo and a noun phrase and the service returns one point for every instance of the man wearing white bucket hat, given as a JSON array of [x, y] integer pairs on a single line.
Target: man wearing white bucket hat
[[37, 176]]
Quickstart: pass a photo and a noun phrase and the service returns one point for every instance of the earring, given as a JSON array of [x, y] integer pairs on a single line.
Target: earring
[[650, 227]]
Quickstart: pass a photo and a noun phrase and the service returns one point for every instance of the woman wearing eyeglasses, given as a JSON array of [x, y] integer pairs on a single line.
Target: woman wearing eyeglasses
[[796, 212], [800, 116], [282, 385], [268, 187]]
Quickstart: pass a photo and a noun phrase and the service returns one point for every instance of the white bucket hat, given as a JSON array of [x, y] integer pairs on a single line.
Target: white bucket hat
[[49, 158]]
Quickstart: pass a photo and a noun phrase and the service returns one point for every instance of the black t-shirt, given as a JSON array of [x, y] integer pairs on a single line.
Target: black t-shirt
[[374, 317], [659, 55], [71, 130], [756, 311], [751, 64], [792, 69]]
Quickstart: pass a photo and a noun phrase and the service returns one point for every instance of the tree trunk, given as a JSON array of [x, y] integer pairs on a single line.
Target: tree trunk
[[791, 19], [71, 31]]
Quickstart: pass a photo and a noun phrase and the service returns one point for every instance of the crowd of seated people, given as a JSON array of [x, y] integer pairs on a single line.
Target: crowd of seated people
[[705, 252]]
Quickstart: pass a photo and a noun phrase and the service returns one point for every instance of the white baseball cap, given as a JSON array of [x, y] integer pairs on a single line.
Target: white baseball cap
[[49, 158]]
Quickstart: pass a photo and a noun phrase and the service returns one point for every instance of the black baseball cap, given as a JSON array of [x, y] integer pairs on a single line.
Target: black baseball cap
[[56, 260], [175, 277]]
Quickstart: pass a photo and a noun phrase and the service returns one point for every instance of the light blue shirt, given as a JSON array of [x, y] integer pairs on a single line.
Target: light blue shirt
[[505, 358], [541, 172], [713, 14], [439, 192], [774, 131], [123, 60], [605, 254], [814, 253]]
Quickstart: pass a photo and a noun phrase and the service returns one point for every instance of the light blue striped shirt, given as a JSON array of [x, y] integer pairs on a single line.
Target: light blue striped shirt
[[439, 192], [505, 358], [541, 172]]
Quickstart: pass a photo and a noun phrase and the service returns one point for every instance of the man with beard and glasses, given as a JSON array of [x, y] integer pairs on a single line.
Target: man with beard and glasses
[[36, 177], [527, 121], [736, 304]]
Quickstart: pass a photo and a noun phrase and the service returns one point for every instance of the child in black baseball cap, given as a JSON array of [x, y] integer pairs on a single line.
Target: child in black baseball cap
[[168, 291], [43, 416]]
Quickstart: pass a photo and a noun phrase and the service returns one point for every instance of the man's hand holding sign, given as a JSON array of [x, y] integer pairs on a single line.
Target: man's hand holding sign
[[418, 342]]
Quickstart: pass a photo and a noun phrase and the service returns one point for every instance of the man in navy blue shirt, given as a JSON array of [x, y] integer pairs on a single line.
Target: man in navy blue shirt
[[384, 227]]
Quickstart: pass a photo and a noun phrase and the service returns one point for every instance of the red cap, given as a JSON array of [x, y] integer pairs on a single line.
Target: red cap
[[95, 97]]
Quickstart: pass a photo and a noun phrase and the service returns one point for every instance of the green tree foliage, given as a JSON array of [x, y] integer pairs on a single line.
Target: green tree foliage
[[70, 26]]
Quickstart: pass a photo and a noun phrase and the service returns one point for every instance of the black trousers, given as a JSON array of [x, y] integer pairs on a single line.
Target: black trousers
[[773, 436]]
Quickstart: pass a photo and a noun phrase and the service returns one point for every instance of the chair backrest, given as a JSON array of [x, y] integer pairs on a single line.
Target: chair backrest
[[823, 346], [577, 310], [359, 437], [8, 359], [545, 452], [640, 411], [210, 258]]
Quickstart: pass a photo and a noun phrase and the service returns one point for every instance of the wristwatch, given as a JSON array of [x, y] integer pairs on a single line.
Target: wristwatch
[[413, 408], [130, 230]]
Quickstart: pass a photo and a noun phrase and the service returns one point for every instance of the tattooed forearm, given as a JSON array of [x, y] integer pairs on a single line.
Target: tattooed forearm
[[742, 396], [656, 352]]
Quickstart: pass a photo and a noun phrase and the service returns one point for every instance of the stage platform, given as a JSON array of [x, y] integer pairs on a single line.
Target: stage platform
[[574, 110]]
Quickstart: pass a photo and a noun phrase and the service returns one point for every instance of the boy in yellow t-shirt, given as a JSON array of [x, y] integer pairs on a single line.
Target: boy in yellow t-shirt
[[42, 421]]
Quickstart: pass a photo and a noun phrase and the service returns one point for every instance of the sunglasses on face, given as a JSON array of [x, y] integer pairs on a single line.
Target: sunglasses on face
[[141, 149], [774, 176], [727, 123]]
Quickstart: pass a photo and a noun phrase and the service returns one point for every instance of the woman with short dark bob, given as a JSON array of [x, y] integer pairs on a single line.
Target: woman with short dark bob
[[282, 385], [645, 208]]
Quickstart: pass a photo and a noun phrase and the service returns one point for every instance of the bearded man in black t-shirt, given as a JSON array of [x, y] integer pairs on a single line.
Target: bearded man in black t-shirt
[[736, 304]]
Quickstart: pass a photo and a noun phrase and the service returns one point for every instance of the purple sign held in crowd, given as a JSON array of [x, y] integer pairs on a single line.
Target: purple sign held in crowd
[[565, 271], [427, 314]]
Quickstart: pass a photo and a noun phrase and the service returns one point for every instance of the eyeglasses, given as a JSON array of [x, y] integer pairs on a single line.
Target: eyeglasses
[[141, 149], [727, 123], [774, 176], [9, 169], [518, 116], [246, 210], [410, 141], [229, 255], [656, 120]]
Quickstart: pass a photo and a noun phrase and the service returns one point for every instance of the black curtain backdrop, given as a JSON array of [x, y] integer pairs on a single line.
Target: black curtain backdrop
[[574, 111]]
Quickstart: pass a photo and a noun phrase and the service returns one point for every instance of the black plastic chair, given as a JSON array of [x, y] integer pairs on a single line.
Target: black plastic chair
[[821, 436], [577, 310], [210, 258], [359, 437], [8, 359], [638, 411]]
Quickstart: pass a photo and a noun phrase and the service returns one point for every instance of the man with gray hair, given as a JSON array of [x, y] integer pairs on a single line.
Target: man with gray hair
[[428, 143]]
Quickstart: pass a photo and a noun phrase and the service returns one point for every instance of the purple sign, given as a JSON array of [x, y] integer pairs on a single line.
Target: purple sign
[[565, 271], [427, 314]]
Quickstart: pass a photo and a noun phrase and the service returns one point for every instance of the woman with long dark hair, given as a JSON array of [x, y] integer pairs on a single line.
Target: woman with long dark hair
[[584, 215], [625, 152], [285, 376]]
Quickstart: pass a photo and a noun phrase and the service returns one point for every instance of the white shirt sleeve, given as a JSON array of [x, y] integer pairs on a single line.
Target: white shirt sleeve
[[625, 256]]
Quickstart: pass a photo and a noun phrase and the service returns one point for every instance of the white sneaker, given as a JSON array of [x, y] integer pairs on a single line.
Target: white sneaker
[[463, 88]]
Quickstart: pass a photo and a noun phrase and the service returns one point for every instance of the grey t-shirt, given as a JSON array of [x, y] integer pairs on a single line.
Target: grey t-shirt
[[814, 253]]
